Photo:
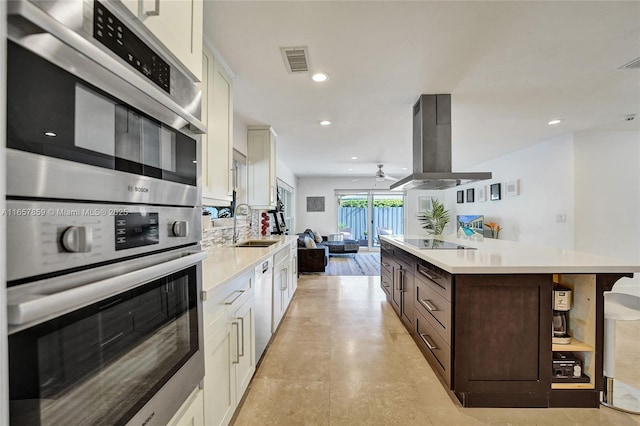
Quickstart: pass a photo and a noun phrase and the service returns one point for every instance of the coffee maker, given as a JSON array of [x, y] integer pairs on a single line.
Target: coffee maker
[[561, 307]]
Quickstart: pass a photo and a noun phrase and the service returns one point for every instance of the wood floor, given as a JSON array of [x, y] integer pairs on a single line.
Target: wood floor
[[342, 357]]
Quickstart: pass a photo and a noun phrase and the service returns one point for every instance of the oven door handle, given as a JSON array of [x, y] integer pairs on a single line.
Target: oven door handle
[[31, 309]]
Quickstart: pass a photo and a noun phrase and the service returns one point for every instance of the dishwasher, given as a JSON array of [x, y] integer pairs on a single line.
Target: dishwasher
[[263, 305]]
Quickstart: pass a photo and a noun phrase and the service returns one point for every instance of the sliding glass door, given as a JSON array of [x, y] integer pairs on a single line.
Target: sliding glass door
[[364, 215], [387, 216]]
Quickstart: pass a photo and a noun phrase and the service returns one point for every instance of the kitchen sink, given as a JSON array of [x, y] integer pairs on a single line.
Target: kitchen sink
[[257, 243]]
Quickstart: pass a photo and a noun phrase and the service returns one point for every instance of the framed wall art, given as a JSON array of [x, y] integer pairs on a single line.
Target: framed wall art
[[315, 204], [460, 198], [470, 195], [512, 188], [495, 192], [424, 204], [481, 194]]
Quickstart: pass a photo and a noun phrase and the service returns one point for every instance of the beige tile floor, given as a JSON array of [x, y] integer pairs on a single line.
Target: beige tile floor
[[342, 357]]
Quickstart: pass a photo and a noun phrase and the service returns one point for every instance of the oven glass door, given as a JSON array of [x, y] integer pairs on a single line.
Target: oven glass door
[[53, 113], [99, 365]]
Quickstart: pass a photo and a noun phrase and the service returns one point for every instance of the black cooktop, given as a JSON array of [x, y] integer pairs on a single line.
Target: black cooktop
[[431, 244]]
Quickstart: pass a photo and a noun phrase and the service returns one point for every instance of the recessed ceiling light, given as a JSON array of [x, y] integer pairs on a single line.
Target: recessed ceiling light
[[553, 122], [320, 77], [350, 170], [354, 158], [325, 122], [405, 168], [51, 134]]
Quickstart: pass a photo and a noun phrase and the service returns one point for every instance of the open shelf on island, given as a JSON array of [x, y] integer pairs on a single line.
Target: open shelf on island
[[575, 346], [572, 386]]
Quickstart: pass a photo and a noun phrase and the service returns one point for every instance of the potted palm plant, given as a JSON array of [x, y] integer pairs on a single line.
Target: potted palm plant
[[436, 219]]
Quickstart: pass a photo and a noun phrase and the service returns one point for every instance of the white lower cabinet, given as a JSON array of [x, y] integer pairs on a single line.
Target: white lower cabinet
[[192, 411], [229, 348], [293, 269], [283, 285]]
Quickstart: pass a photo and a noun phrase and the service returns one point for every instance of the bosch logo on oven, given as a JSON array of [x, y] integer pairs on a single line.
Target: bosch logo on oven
[[132, 188]]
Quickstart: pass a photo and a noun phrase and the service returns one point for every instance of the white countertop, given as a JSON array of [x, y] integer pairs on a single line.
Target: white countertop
[[500, 257], [226, 263]]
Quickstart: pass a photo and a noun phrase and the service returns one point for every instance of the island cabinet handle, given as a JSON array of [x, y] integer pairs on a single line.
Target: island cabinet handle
[[426, 341], [427, 304], [385, 264], [385, 284], [426, 274], [400, 280]]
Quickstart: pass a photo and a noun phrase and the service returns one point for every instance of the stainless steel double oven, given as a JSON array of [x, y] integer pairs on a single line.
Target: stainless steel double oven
[[104, 263]]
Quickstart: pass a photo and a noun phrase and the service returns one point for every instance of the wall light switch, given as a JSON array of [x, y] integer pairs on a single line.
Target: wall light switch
[[561, 218]]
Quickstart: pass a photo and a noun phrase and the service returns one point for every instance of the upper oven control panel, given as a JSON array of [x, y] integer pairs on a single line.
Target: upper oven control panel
[[48, 237], [111, 32]]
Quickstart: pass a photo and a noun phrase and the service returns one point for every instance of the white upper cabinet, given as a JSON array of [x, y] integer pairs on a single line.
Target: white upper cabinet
[[177, 24], [261, 167], [217, 144]]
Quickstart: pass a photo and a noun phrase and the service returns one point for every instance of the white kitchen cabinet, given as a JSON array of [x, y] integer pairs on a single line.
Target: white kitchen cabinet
[[229, 331], [177, 24], [282, 291], [293, 268], [192, 411], [261, 167], [217, 144]]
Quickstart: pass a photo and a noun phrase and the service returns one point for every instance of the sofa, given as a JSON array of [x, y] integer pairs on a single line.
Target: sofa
[[341, 247], [314, 257]]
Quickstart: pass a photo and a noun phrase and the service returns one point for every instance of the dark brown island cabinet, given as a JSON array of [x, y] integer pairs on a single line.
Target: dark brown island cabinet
[[489, 336]]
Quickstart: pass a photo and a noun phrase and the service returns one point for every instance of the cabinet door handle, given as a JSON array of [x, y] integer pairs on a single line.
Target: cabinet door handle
[[427, 304], [241, 327], [426, 341], [231, 302], [385, 284], [401, 280], [385, 264], [237, 361], [295, 264], [155, 11], [283, 279]]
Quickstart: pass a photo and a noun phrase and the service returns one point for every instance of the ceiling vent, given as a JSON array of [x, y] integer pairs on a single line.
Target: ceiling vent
[[633, 65], [296, 59]]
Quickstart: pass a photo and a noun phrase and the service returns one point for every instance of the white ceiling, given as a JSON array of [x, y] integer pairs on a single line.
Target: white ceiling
[[509, 66]]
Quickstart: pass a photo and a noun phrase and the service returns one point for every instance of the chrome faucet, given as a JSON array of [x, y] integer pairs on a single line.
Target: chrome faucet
[[235, 220]]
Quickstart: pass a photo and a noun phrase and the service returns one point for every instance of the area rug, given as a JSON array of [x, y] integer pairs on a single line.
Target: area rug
[[357, 264]]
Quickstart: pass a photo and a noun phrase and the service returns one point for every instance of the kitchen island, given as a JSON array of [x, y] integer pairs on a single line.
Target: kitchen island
[[481, 313]]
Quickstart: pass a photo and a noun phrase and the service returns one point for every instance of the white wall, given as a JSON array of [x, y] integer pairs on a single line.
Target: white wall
[[546, 179], [608, 197], [327, 222]]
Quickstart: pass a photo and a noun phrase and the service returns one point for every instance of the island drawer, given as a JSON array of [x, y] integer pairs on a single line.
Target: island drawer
[[386, 282], [386, 266], [438, 279], [405, 260], [434, 346], [433, 306]]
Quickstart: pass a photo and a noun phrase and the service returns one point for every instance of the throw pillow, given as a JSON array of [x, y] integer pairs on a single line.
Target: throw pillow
[[317, 237], [309, 243]]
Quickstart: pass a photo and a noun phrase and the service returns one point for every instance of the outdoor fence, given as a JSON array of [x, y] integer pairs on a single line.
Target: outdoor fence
[[383, 217]]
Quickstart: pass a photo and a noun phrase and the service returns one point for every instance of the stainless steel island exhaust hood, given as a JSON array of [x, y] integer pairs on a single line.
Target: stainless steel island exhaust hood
[[432, 148]]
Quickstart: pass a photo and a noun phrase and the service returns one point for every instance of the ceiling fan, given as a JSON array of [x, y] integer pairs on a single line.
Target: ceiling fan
[[381, 175]]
